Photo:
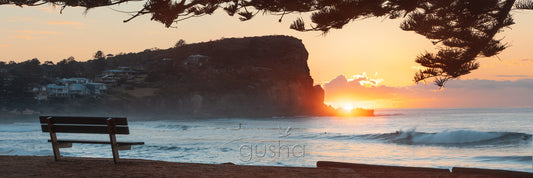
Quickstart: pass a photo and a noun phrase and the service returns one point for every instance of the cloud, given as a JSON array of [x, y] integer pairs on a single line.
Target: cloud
[[341, 87], [457, 93], [4, 46], [27, 37], [64, 23], [513, 76], [18, 19], [49, 9], [527, 60], [29, 34], [487, 93], [39, 32], [519, 62]]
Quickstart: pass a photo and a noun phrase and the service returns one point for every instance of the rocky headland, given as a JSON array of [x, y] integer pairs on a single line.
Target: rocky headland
[[237, 77]]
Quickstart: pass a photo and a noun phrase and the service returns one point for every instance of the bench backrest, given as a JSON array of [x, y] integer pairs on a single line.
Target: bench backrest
[[95, 125]]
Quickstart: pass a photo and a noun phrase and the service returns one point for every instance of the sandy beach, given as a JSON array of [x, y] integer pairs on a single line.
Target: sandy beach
[[45, 166]]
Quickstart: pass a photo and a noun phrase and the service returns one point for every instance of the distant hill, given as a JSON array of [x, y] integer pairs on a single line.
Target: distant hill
[[237, 77]]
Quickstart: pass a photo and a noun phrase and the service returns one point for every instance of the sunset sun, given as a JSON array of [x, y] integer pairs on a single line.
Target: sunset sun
[[347, 107]]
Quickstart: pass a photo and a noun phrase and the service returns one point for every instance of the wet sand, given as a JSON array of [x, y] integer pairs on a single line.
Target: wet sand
[[45, 166]]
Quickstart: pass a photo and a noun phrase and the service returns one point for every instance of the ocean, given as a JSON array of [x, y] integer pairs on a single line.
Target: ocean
[[493, 138]]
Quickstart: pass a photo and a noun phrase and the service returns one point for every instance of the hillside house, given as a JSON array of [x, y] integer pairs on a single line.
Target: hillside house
[[77, 89], [54, 90], [96, 88], [120, 73], [197, 60], [68, 81], [70, 87], [112, 77]]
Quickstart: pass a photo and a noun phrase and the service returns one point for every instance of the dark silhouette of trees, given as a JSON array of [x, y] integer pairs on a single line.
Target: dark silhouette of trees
[[462, 30], [180, 43], [95, 67], [23, 78], [69, 68], [49, 69], [99, 54], [3, 84]]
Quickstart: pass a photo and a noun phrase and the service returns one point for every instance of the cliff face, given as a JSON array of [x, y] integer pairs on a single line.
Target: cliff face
[[248, 77]]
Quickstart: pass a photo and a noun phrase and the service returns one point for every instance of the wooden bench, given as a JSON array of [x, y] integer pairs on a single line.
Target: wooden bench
[[91, 125]]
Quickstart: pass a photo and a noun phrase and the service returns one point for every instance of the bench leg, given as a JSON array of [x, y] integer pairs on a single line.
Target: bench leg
[[114, 147], [55, 146], [112, 129], [53, 138]]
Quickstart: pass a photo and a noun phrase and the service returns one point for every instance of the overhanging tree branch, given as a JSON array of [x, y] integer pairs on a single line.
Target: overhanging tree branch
[[461, 29]]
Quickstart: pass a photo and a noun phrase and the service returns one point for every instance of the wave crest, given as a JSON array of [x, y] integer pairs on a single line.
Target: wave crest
[[458, 138]]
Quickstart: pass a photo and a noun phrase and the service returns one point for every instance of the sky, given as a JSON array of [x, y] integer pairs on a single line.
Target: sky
[[376, 47]]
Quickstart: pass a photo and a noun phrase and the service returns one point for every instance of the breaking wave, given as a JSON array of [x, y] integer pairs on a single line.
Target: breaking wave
[[453, 138], [523, 159]]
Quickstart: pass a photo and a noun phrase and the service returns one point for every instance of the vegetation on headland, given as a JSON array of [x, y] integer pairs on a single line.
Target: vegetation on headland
[[249, 77]]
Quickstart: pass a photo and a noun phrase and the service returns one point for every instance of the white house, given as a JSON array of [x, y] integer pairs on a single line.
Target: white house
[[70, 87], [118, 74], [77, 89], [96, 88], [57, 90], [68, 81]]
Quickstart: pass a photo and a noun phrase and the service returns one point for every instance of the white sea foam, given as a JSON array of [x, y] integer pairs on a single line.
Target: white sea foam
[[451, 137], [460, 136]]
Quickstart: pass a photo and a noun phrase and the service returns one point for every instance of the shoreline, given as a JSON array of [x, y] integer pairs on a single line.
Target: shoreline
[[45, 166]]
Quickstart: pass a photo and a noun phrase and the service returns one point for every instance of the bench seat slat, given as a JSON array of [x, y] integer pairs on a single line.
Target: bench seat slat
[[97, 142], [82, 120], [84, 129]]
